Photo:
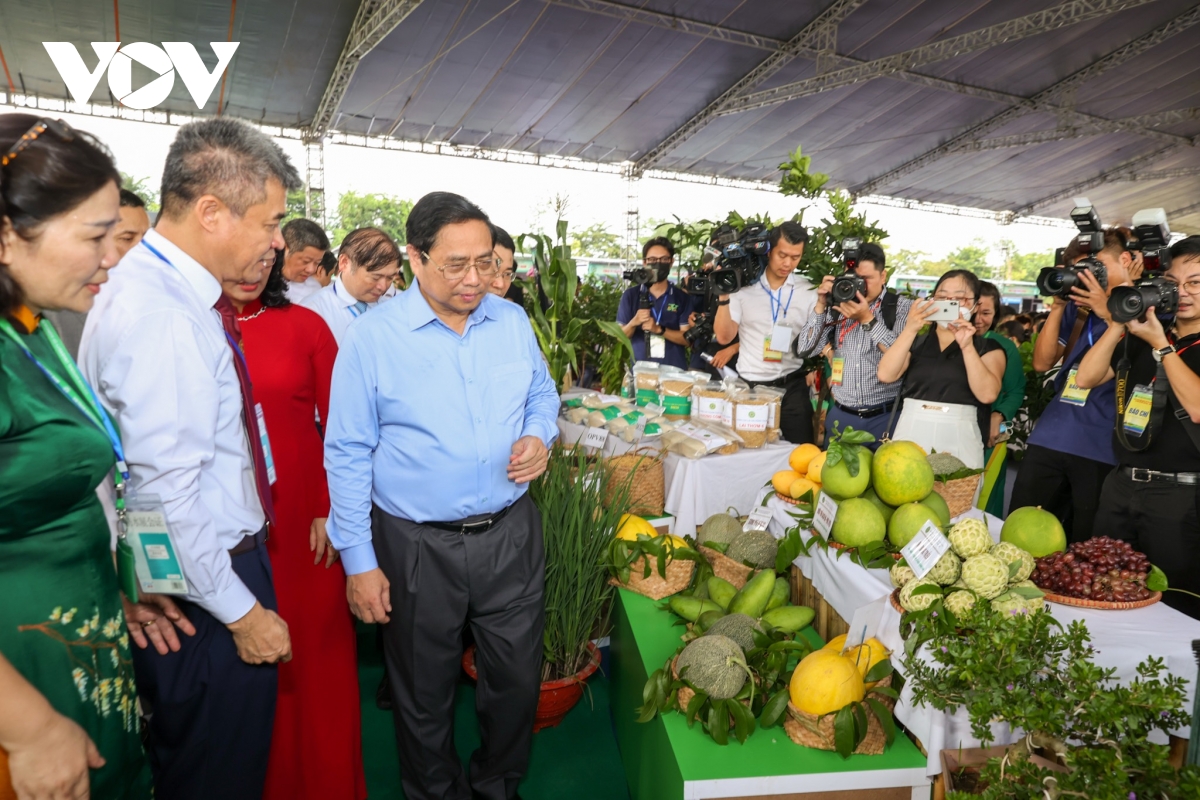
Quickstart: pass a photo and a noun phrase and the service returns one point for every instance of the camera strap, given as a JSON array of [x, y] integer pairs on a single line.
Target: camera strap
[[1082, 317]]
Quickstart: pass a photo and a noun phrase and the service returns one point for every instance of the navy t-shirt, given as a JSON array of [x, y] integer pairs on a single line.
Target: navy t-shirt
[[1079, 430], [671, 311]]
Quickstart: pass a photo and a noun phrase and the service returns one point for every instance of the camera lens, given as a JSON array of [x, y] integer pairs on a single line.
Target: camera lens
[[1128, 302]]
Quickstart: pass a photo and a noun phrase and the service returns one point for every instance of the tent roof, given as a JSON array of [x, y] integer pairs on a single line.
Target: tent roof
[[605, 81]]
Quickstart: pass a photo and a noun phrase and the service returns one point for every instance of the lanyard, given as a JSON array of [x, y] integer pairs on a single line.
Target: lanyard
[[354, 312], [75, 389], [777, 301], [658, 312], [846, 328], [1091, 336]]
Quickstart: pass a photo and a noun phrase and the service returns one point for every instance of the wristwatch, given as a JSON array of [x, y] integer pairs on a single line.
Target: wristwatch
[[1159, 355], [722, 302], [868, 325]]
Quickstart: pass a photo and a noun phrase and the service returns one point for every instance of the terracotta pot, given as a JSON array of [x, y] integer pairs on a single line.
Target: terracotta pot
[[557, 697]]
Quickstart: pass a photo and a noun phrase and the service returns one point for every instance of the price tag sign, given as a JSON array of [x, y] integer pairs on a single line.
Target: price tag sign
[[758, 520], [595, 437], [925, 549], [824, 515], [865, 622]]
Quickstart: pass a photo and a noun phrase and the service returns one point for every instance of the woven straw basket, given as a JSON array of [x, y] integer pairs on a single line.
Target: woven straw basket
[[656, 587], [646, 490], [725, 567], [686, 693], [959, 494], [817, 732]]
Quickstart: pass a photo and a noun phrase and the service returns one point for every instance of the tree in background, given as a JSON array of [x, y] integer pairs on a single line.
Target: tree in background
[[143, 190], [972, 257], [386, 212], [295, 205], [1025, 266], [596, 241]]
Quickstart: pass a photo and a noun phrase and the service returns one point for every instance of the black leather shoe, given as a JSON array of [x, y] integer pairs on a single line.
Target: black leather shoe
[[383, 694]]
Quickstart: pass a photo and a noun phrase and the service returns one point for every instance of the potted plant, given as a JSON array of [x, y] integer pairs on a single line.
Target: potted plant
[[1084, 735]]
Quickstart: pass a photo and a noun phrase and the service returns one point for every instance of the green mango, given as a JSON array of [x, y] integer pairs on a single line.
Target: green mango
[[789, 618], [690, 608], [780, 594], [720, 591], [705, 620], [753, 598]]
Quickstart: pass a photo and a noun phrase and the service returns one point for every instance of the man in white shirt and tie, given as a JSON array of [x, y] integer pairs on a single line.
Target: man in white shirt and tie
[[368, 263], [305, 247], [162, 350]]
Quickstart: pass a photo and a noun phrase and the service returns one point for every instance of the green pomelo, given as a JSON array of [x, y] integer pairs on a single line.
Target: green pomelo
[[937, 504], [908, 519], [1035, 531], [883, 507], [858, 523], [900, 474], [839, 484]]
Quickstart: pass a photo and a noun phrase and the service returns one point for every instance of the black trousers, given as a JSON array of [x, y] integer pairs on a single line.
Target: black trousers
[[211, 713], [1064, 484], [1162, 521], [796, 408], [440, 582]]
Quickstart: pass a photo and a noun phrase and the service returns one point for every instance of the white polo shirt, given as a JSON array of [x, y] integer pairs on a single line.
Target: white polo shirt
[[338, 307], [757, 309], [299, 291]]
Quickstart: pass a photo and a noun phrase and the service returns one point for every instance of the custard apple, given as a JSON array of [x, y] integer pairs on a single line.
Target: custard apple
[[1010, 603], [959, 603], [901, 574], [919, 602], [985, 575], [946, 570], [960, 583], [970, 537], [1035, 603], [1008, 552]]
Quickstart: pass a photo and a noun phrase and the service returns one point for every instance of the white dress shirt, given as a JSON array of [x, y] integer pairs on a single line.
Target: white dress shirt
[[751, 308], [156, 353], [338, 307], [298, 292]]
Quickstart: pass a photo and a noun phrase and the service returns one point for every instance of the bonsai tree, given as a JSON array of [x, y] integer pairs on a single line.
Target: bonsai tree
[[1027, 671]]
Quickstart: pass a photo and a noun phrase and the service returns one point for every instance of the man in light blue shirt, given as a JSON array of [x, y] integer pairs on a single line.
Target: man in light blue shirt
[[441, 413]]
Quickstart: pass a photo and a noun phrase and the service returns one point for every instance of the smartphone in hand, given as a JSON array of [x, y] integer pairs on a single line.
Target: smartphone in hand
[[944, 311]]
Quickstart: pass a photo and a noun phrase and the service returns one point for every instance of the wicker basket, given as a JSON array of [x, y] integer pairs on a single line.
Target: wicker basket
[[725, 567], [1103, 605], [817, 732], [686, 693], [646, 490], [959, 494], [656, 587]]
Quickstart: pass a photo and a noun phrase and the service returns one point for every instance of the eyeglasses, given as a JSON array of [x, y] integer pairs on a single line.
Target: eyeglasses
[[507, 275], [1190, 287], [56, 126], [658, 262], [486, 268]]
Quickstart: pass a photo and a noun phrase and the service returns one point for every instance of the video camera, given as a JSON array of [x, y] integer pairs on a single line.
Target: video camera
[[849, 285], [1127, 303], [645, 276], [735, 259], [1059, 280]]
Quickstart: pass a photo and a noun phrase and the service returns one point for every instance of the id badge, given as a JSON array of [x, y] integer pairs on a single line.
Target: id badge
[[1137, 413], [836, 367], [155, 556], [658, 346], [1072, 393], [266, 444], [781, 338]]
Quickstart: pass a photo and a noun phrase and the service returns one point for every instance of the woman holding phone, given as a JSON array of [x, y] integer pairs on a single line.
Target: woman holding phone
[[951, 374]]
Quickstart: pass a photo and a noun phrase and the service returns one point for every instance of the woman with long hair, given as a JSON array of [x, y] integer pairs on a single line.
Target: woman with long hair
[[951, 374]]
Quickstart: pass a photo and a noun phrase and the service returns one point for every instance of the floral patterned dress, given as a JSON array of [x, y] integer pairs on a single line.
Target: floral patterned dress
[[61, 624]]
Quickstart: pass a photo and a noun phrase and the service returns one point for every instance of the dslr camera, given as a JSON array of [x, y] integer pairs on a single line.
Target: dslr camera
[[1059, 280], [849, 285], [1127, 303]]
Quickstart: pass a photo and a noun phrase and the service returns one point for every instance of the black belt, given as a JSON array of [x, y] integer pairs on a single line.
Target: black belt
[[866, 413], [249, 542], [471, 526], [1139, 475], [778, 383]]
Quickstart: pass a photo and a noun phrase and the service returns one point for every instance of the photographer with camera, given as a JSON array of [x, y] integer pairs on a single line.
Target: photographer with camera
[[1151, 499], [860, 319], [708, 355], [767, 315], [1069, 452], [654, 312]]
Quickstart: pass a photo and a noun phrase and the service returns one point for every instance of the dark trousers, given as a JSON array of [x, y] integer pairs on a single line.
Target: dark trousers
[[211, 713], [876, 425], [796, 408], [1063, 484], [1160, 520], [441, 581]]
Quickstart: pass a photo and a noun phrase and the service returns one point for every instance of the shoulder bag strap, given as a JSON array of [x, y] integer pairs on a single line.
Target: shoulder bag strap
[[1080, 320]]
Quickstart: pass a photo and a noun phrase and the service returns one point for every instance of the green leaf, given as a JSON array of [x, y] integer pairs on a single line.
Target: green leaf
[[879, 671], [850, 454], [718, 722], [833, 455], [774, 710], [1013, 569], [1156, 581], [743, 721], [693, 707], [885, 719], [1028, 592], [886, 691], [851, 436], [790, 547], [928, 588], [843, 732], [860, 722]]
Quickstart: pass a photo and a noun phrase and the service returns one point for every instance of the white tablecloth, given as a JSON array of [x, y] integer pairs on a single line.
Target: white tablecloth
[[699, 488], [570, 433], [1122, 639]]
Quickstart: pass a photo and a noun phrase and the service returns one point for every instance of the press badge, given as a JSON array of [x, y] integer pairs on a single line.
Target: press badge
[[1072, 393], [777, 343], [658, 346], [836, 367], [155, 557], [1137, 413], [266, 443]]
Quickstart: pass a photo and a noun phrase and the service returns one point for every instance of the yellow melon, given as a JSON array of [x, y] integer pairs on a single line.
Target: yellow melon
[[783, 480], [814, 468], [824, 682], [866, 656], [836, 644], [802, 456], [630, 526]]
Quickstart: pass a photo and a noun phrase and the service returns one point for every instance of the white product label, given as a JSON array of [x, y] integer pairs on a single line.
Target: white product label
[[825, 514], [771, 415], [727, 413], [751, 418], [595, 437], [758, 520], [709, 409], [865, 622], [925, 549]]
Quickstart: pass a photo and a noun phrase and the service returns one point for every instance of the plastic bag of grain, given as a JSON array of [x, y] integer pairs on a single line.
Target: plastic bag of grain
[[752, 416], [676, 389], [733, 390], [708, 401], [645, 382], [774, 409], [602, 416]]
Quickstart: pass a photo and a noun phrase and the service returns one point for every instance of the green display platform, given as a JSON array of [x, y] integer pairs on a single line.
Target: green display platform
[[665, 760]]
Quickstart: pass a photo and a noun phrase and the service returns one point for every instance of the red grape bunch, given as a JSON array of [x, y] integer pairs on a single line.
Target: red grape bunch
[[1098, 569]]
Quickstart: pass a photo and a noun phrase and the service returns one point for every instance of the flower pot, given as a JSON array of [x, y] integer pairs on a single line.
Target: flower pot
[[557, 697], [961, 767]]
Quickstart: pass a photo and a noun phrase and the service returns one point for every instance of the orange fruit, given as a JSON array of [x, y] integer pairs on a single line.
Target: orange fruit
[[815, 466], [800, 486], [802, 456], [783, 480]]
